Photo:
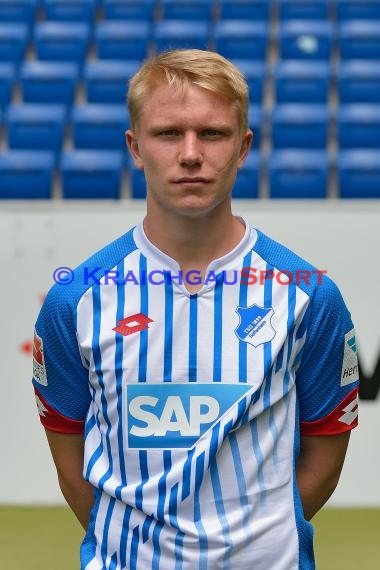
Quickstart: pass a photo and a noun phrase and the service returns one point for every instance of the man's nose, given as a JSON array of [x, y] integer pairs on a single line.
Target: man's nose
[[191, 150]]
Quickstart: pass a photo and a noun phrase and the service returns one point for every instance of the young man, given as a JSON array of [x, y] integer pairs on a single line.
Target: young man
[[198, 385]]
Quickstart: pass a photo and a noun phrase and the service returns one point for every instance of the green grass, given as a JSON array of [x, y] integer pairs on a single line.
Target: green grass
[[48, 538]]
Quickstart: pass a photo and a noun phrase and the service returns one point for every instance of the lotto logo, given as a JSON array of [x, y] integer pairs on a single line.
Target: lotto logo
[[173, 416]]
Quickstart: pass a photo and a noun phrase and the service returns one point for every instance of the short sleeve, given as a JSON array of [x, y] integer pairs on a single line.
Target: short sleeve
[[60, 376], [327, 378]]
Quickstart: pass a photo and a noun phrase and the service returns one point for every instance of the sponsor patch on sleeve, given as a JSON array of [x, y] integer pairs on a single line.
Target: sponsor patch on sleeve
[[350, 369], [39, 368]]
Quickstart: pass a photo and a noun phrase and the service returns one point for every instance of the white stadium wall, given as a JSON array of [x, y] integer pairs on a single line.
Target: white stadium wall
[[342, 238]]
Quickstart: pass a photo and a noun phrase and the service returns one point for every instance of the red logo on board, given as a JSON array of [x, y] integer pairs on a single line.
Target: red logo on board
[[133, 324]]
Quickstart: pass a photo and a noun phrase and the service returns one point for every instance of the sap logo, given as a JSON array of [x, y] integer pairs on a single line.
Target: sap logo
[[169, 416]]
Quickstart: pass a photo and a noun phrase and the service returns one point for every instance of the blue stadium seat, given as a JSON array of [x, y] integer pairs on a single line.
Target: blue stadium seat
[[173, 34], [91, 174], [302, 81], [62, 41], [47, 82], [359, 40], [238, 39], [99, 126], [119, 40], [26, 174], [35, 127], [298, 174], [358, 9], [305, 39], [22, 11], [248, 177], [69, 10], [359, 126], [187, 10], [7, 79], [255, 123], [359, 81], [244, 10], [255, 75], [106, 80], [359, 174], [129, 9], [303, 9], [300, 126], [13, 42], [137, 182]]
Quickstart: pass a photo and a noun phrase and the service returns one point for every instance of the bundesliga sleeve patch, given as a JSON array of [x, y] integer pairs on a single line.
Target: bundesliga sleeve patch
[[350, 368], [39, 368]]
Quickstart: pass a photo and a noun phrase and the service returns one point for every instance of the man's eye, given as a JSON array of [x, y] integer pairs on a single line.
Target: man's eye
[[169, 133], [211, 133]]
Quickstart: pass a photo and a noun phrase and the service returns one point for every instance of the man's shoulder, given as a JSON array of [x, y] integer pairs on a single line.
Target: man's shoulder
[[66, 295]]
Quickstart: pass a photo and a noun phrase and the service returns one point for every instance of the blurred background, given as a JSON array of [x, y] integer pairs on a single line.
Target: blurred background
[[67, 187]]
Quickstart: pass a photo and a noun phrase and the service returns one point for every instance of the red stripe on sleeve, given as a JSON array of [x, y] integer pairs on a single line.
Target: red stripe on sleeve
[[343, 418], [55, 421]]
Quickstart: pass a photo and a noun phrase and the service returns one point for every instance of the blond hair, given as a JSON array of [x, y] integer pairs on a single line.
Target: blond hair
[[181, 67]]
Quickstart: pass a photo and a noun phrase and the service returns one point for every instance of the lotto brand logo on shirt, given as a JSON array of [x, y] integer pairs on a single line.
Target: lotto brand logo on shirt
[[39, 369], [133, 324], [175, 416], [350, 368]]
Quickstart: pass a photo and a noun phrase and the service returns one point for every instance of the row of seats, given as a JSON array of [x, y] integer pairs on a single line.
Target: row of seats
[[99, 174], [87, 10], [301, 40], [103, 126], [106, 82]]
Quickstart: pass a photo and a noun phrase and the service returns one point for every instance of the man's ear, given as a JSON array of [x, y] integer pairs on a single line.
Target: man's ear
[[245, 147], [133, 147]]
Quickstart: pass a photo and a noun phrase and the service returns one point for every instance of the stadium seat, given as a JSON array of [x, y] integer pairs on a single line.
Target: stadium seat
[[35, 127], [13, 42], [255, 123], [238, 39], [244, 10], [359, 174], [22, 11], [248, 177], [359, 126], [69, 10], [186, 10], [255, 75], [302, 82], [305, 40], [99, 126], [359, 40], [298, 174], [91, 174], [7, 78], [137, 182], [129, 9], [62, 41], [173, 34], [47, 82], [106, 80], [359, 81], [358, 9], [119, 40], [300, 126], [303, 9], [26, 174]]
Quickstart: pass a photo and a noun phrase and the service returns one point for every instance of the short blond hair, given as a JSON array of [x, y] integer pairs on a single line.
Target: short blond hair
[[181, 67]]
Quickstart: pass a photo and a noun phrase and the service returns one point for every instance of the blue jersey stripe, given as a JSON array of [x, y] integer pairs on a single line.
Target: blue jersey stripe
[[220, 509], [168, 347], [218, 329], [290, 327], [186, 475], [134, 548], [240, 479], [107, 522], [260, 461], [243, 293], [178, 542], [119, 364], [124, 536], [144, 478], [167, 456], [193, 330], [143, 354], [156, 546], [203, 542]]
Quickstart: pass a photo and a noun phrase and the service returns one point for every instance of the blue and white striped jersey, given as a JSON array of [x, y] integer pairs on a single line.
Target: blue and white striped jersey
[[192, 405]]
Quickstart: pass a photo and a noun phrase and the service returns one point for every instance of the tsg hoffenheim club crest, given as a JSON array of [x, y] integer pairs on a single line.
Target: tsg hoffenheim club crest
[[255, 325]]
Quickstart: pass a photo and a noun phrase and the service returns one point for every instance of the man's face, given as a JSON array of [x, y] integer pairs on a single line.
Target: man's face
[[189, 147]]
